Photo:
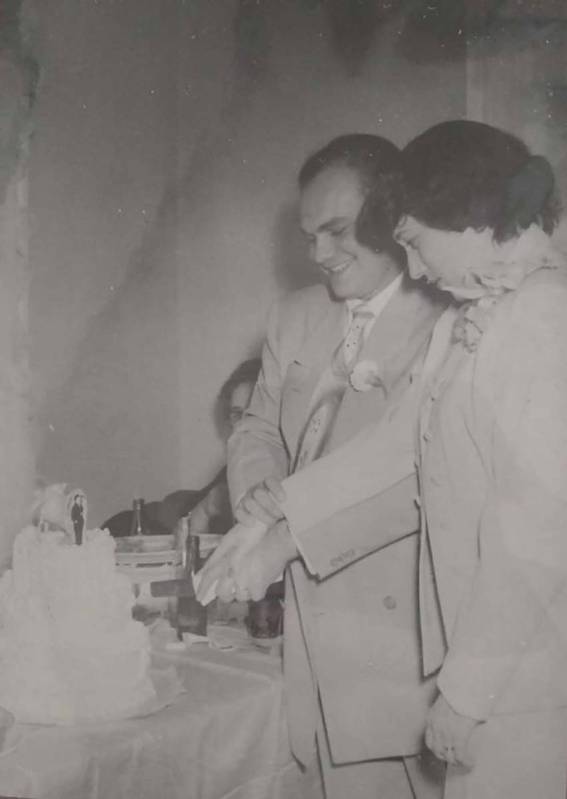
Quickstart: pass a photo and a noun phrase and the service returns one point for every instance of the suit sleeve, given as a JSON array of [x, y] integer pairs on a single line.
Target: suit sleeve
[[356, 531], [256, 449], [359, 497], [516, 606]]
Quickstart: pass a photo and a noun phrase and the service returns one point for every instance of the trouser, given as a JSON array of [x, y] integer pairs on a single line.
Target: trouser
[[417, 777]]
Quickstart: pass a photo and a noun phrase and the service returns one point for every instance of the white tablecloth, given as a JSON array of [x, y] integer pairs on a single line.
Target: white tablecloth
[[224, 738]]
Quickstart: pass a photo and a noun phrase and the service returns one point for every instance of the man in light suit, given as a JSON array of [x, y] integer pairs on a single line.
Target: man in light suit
[[351, 651]]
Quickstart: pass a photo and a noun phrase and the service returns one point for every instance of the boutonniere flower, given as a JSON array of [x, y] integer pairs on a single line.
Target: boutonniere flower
[[505, 270], [365, 376]]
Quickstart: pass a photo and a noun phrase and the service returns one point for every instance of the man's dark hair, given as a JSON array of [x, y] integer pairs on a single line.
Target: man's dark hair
[[377, 162], [246, 372], [462, 174]]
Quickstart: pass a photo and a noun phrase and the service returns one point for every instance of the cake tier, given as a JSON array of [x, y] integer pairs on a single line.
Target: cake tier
[[69, 648]]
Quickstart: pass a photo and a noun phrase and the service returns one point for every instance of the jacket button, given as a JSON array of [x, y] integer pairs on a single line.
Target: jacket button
[[389, 602]]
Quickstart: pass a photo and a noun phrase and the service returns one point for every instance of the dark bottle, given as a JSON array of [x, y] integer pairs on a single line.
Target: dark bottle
[[191, 615], [139, 524]]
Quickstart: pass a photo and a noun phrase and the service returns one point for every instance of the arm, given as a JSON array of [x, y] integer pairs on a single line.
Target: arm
[[356, 531], [357, 499], [256, 449], [517, 602], [372, 477], [360, 497]]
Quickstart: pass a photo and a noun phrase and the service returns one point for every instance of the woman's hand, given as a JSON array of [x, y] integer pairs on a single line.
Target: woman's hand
[[263, 565], [447, 733], [219, 568], [261, 503]]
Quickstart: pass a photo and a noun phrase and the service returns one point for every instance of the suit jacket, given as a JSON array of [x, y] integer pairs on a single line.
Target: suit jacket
[[493, 566], [352, 637], [494, 482]]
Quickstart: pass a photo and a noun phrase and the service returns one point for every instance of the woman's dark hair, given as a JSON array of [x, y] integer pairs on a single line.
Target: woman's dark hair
[[377, 162], [245, 372], [462, 174]]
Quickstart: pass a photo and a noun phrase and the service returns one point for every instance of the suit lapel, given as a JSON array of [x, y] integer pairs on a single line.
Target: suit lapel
[[397, 338], [305, 370], [316, 351], [407, 319]]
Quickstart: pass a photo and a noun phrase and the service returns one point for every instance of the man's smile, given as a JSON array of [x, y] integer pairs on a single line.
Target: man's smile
[[338, 268]]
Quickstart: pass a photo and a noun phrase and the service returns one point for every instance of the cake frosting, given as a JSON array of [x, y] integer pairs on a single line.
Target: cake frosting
[[70, 651]]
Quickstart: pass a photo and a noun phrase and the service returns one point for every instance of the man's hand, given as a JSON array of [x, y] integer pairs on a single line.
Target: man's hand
[[260, 566], [447, 733], [261, 503], [226, 557]]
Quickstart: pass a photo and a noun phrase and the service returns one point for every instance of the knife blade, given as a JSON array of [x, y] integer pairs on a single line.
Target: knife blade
[[186, 587], [180, 587]]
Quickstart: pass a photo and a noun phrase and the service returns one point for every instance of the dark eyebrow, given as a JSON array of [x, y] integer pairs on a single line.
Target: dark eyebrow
[[336, 221]]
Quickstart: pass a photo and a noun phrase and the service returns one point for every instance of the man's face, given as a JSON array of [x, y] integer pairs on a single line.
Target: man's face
[[329, 206]]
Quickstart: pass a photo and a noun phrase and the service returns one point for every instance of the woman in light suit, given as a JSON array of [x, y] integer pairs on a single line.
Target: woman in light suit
[[493, 461]]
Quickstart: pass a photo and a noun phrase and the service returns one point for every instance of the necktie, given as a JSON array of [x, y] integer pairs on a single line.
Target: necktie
[[346, 354], [319, 424]]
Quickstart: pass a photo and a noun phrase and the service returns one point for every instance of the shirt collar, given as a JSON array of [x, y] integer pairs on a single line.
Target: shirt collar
[[376, 304]]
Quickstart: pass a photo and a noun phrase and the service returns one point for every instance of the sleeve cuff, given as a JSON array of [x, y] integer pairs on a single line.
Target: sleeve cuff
[[303, 553]]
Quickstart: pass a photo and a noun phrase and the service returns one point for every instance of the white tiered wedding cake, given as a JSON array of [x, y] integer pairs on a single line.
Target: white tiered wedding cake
[[70, 651]]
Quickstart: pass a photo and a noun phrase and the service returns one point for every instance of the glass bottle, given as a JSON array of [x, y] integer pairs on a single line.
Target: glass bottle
[[139, 525], [191, 615]]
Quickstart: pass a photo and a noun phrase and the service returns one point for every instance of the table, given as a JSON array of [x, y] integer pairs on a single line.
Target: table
[[225, 738]]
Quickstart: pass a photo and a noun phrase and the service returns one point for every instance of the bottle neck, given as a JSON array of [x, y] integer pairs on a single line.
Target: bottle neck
[[138, 526]]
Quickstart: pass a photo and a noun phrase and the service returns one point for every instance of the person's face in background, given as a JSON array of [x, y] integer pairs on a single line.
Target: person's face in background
[[238, 402], [329, 207]]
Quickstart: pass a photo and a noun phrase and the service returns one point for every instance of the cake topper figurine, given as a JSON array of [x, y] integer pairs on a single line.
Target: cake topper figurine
[[78, 516], [56, 507]]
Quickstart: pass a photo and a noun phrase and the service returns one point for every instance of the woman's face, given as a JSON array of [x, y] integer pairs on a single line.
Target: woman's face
[[446, 258], [239, 401]]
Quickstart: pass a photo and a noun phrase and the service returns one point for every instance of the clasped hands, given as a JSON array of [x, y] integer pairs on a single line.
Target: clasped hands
[[255, 552]]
